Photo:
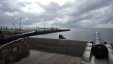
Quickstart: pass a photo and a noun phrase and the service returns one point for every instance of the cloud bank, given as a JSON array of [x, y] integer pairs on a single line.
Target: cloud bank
[[50, 13]]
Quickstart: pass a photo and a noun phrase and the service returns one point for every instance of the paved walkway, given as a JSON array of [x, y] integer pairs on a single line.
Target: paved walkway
[[39, 57]]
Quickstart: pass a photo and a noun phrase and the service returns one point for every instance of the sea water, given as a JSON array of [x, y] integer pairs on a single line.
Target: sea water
[[81, 34]]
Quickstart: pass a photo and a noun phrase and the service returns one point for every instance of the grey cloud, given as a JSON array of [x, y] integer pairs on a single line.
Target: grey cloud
[[98, 12], [8, 7], [9, 20], [51, 7], [91, 5], [86, 8]]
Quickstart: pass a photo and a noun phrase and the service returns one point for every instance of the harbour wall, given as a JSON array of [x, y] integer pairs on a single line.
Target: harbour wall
[[63, 46]]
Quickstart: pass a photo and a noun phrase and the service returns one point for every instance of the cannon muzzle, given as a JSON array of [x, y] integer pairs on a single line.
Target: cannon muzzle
[[99, 50]]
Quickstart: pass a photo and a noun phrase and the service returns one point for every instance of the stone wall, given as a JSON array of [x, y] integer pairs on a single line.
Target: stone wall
[[70, 47], [14, 51]]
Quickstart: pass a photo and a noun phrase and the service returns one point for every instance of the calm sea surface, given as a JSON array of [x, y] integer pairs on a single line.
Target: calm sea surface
[[81, 34]]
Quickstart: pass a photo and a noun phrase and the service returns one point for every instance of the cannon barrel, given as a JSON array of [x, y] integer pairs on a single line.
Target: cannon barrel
[[16, 36], [7, 39], [99, 50]]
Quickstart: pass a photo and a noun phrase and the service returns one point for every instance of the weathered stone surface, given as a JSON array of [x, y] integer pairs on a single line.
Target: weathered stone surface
[[13, 51]]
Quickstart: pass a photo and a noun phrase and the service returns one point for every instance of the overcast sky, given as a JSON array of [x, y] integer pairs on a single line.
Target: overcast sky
[[60, 13]]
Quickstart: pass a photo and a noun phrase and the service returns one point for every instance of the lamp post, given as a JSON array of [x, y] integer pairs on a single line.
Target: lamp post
[[20, 23]]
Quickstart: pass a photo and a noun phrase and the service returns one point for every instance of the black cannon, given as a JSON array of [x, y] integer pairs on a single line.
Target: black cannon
[[99, 50], [4, 40], [7, 39], [61, 37]]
